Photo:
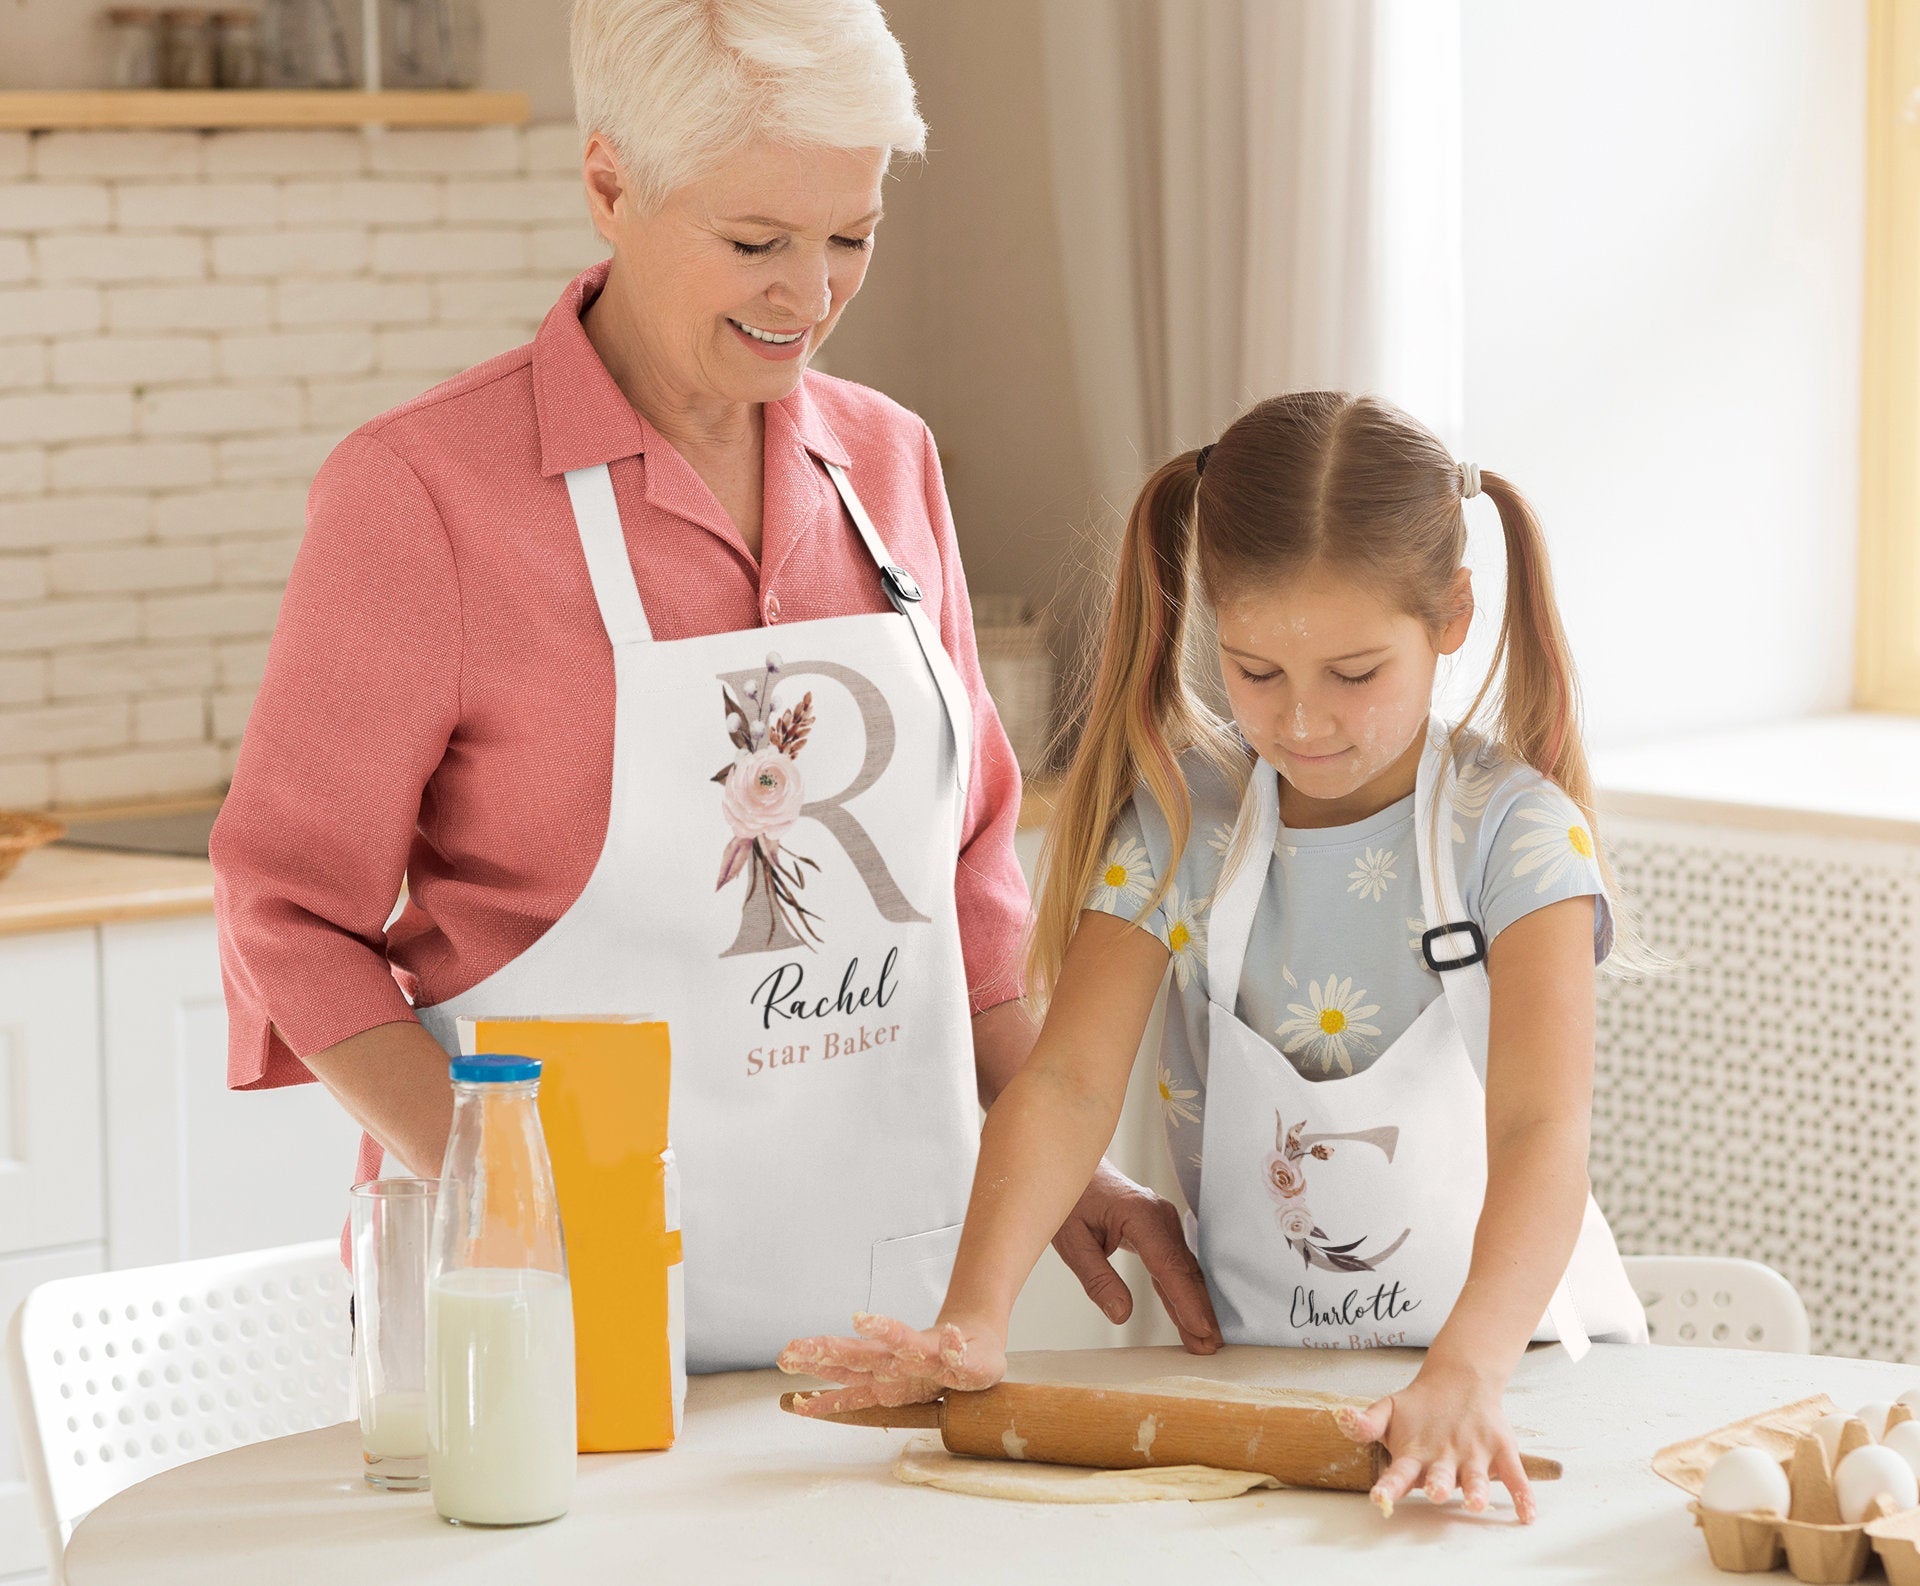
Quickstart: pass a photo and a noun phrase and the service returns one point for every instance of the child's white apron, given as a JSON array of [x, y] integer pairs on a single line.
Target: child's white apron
[[790, 912], [1341, 1213]]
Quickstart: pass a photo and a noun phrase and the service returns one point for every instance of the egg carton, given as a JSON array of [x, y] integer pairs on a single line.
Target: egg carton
[[1812, 1540]]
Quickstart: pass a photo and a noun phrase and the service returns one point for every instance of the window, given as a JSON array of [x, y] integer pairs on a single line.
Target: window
[[1888, 667]]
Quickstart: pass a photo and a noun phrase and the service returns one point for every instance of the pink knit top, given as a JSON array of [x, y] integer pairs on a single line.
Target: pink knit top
[[438, 700]]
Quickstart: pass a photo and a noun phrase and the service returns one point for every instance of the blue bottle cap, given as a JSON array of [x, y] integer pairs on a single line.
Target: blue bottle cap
[[494, 1068]]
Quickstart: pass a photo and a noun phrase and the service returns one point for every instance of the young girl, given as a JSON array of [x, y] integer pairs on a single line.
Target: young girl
[[1377, 1068]]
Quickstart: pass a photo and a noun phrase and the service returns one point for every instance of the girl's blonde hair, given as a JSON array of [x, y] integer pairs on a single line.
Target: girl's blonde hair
[[1310, 478], [677, 86]]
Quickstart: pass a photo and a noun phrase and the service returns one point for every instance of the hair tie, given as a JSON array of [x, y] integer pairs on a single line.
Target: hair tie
[[1200, 459], [1469, 481]]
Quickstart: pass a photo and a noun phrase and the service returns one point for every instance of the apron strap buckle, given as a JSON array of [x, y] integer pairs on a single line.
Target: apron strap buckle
[[1440, 933], [901, 588]]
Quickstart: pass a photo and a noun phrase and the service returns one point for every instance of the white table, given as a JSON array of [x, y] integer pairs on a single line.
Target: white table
[[752, 1495]]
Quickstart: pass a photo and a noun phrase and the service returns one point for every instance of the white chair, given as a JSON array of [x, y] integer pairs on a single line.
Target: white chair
[[118, 1376], [1719, 1302]]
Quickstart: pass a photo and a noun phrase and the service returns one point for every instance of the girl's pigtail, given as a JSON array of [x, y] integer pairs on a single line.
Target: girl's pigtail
[[1540, 713], [1140, 715]]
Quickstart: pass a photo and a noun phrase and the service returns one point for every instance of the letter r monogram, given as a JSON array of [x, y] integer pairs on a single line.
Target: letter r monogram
[[876, 715]]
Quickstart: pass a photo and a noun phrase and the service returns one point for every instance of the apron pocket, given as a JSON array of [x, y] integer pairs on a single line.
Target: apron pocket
[[910, 1275]]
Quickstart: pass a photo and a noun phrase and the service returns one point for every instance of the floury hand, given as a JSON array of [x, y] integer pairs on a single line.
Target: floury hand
[[891, 1363]]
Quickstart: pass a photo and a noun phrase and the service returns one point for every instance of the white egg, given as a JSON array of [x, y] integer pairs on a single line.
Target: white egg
[[1746, 1481], [1828, 1429], [1911, 1399], [1904, 1440], [1875, 1415], [1868, 1473]]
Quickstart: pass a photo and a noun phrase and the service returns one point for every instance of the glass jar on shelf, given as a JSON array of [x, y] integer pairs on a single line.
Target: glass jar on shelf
[[430, 43], [133, 41], [186, 48], [237, 57], [308, 44]]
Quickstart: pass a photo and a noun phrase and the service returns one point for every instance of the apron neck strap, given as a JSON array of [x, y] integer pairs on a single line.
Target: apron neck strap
[[1231, 918], [1453, 944], [598, 519], [1433, 833]]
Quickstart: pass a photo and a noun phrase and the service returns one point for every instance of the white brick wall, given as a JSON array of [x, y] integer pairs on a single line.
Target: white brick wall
[[189, 323]]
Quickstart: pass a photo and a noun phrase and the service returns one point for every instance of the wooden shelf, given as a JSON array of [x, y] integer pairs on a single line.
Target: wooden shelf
[[36, 110]]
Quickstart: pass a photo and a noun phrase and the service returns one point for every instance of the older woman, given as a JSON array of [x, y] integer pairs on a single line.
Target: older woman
[[643, 654]]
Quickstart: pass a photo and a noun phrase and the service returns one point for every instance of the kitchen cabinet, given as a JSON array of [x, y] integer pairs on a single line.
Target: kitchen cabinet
[[192, 1168], [120, 1144], [50, 1146]]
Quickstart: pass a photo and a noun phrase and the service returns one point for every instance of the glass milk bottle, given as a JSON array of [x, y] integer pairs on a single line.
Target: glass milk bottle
[[500, 1407]]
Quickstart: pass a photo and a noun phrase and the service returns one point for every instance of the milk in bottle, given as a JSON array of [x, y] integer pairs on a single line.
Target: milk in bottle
[[500, 1387]]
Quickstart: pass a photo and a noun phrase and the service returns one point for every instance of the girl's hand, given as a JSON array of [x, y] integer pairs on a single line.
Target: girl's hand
[[1446, 1430], [891, 1363]]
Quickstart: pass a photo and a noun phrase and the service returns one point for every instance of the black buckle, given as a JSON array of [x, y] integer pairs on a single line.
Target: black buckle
[[900, 586], [1439, 933]]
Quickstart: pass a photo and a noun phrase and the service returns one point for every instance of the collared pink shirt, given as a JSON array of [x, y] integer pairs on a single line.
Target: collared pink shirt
[[438, 700]]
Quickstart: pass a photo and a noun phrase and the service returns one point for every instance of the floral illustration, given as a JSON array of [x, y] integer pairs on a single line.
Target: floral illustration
[[1331, 1027], [1124, 880], [1220, 839], [1186, 936], [1553, 847], [1416, 934], [1287, 1184], [761, 795], [1371, 872], [1175, 1101]]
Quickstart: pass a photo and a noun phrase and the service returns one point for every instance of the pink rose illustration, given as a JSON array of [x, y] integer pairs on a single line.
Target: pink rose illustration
[[1296, 1222], [763, 795], [1284, 1180]]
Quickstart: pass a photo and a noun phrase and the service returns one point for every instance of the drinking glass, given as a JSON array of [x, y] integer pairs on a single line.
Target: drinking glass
[[392, 1234]]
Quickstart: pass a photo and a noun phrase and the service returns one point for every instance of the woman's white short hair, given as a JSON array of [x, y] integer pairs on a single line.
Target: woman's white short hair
[[678, 86]]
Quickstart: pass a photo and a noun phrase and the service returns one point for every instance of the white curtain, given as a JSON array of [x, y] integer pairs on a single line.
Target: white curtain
[[1254, 196]]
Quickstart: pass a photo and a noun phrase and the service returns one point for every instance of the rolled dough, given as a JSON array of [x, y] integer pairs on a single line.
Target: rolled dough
[[925, 1463]]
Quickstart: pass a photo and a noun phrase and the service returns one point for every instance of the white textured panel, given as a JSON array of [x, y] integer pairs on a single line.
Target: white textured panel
[[1763, 1100]]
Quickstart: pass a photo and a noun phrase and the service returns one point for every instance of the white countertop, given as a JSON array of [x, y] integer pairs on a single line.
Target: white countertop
[[753, 1495]]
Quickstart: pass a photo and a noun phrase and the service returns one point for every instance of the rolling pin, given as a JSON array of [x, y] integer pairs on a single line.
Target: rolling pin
[[1124, 1429]]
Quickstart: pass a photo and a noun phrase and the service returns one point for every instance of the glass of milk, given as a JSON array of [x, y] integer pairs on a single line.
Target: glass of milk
[[500, 1404], [392, 1231]]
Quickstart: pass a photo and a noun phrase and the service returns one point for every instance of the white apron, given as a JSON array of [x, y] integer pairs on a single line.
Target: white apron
[[824, 1112], [1340, 1213]]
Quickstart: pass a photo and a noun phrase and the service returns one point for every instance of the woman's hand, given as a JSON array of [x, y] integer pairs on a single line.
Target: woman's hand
[[891, 1363], [1117, 1214], [1446, 1431]]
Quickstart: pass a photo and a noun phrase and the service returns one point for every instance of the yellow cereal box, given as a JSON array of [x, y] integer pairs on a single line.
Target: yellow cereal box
[[603, 1105]]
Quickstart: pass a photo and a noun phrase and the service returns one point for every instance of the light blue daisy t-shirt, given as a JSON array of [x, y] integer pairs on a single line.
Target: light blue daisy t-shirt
[[1334, 974]]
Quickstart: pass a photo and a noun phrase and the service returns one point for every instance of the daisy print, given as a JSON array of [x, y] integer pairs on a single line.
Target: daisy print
[[1416, 934], [1185, 936], [1124, 880], [1177, 1103], [1371, 872], [1554, 847], [1220, 839], [1331, 1026]]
